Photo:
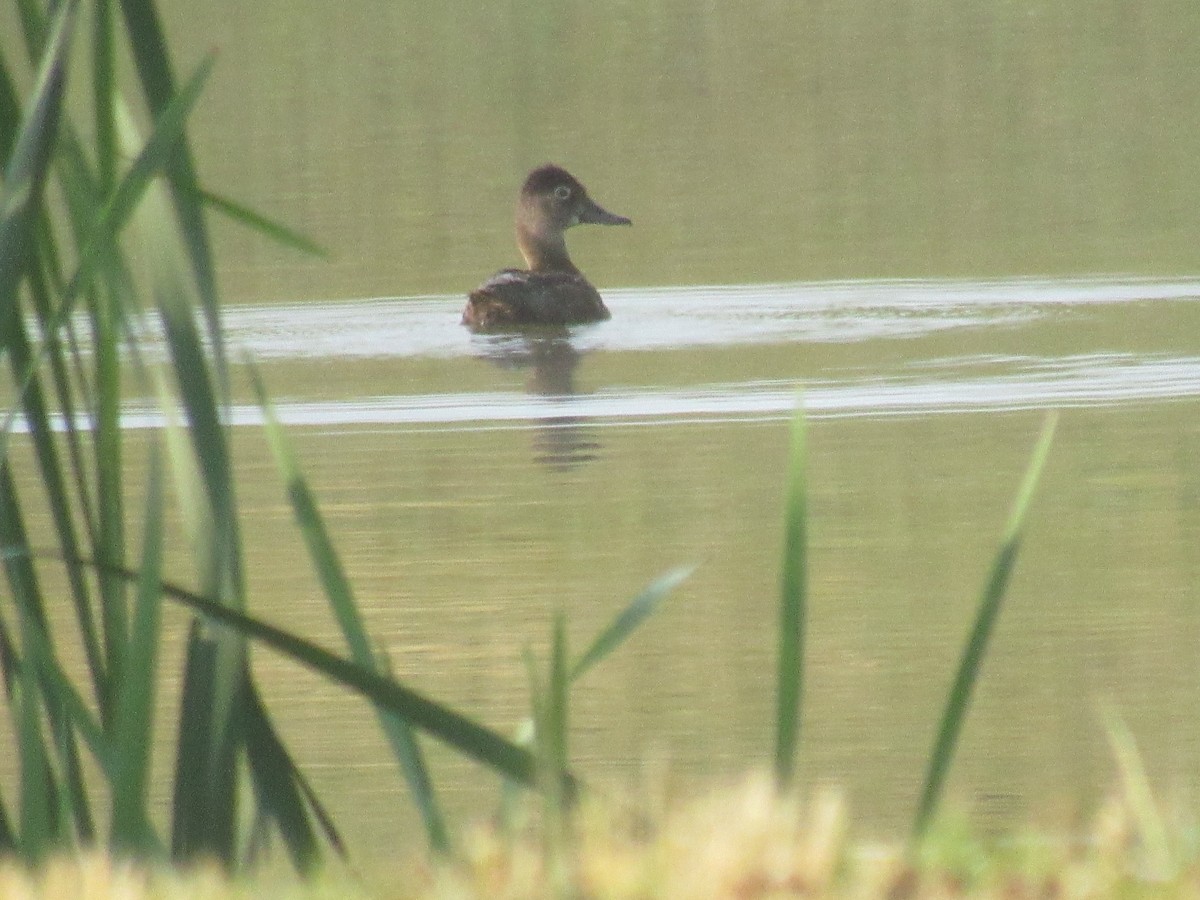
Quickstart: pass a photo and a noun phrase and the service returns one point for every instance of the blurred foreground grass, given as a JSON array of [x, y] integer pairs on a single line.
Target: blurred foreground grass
[[742, 841]]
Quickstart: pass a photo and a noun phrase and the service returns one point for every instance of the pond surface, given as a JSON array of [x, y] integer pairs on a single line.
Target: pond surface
[[477, 484]]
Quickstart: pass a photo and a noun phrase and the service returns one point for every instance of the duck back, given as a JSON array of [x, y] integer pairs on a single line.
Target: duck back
[[518, 297]]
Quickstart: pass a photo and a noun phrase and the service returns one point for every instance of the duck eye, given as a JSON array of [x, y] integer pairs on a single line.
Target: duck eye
[[562, 192]]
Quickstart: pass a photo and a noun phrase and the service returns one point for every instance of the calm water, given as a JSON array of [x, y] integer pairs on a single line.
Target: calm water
[[988, 158], [477, 484], [749, 142]]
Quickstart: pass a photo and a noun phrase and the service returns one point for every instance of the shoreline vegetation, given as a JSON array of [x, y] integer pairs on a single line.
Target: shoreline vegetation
[[741, 841], [70, 211]]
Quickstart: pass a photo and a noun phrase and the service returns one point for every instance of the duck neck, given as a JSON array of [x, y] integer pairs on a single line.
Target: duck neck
[[544, 251]]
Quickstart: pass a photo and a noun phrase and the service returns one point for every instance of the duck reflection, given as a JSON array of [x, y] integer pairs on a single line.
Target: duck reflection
[[560, 441]]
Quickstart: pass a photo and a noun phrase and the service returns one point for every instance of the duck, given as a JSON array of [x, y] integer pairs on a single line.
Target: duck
[[551, 290]]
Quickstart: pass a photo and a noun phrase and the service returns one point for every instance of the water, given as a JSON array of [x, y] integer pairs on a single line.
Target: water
[[735, 320], [476, 484]]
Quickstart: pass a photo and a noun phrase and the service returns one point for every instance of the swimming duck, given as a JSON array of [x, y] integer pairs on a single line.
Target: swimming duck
[[551, 291]]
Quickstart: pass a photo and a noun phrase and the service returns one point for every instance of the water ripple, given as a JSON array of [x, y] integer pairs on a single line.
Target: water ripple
[[1085, 380], [679, 317]]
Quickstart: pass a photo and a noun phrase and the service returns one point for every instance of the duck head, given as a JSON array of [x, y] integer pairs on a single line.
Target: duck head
[[552, 200]]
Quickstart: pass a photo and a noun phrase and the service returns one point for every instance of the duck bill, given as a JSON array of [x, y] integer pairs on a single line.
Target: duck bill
[[594, 214]]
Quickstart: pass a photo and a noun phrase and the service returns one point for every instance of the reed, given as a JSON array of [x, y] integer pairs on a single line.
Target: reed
[[72, 302], [66, 283], [792, 602], [971, 663]]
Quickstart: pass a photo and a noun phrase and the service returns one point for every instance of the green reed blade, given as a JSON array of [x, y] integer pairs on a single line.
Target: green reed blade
[[558, 698], [108, 544], [8, 832], [792, 603], [971, 663], [205, 800], [8, 678], [148, 43], [74, 806], [627, 621], [25, 594], [256, 221], [20, 198], [189, 796], [553, 761], [39, 823], [198, 396], [152, 159], [537, 710], [54, 483], [34, 26], [51, 795], [65, 711], [103, 92], [544, 728], [340, 594], [108, 517], [214, 684], [10, 112], [216, 538], [276, 783], [320, 813], [557, 725], [312, 526], [100, 250], [25, 170], [133, 717], [65, 706], [1151, 832], [463, 734]]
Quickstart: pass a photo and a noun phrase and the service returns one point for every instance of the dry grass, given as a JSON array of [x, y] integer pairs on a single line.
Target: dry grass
[[742, 842]]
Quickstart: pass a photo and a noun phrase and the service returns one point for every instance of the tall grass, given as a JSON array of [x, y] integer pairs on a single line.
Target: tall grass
[[76, 283], [66, 282], [792, 599], [791, 630], [970, 666]]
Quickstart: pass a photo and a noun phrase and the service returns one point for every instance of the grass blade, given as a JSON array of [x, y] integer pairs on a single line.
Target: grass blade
[[151, 160], [341, 597], [279, 789], [969, 667], [792, 603], [216, 539], [40, 824], [103, 92], [626, 622], [20, 201], [558, 704], [25, 172], [10, 112], [204, 806], [553, 758], [258, 222], [453, 728], [134, 700], [1139, 798], [458, 731], [149, 46]]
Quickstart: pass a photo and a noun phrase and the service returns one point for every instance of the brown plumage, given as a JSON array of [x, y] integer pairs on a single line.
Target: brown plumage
[[551, 291]]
